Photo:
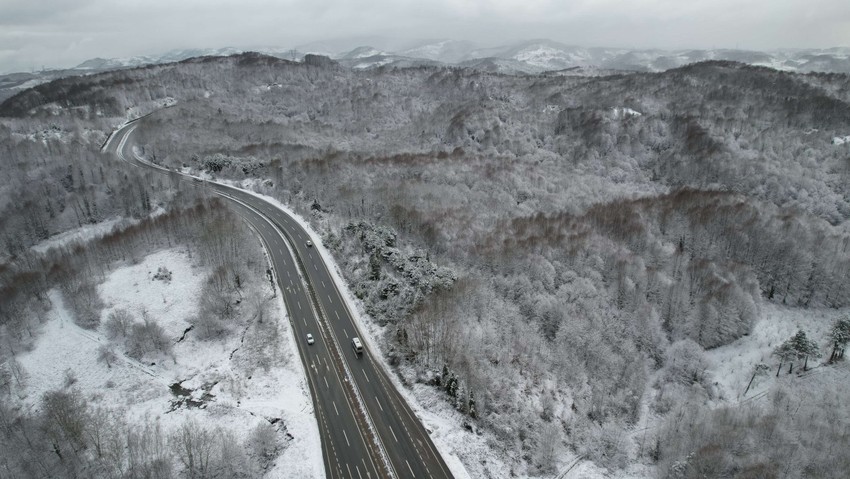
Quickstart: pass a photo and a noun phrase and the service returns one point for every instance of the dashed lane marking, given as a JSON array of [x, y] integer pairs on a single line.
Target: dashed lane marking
[[410, 468], [326, 382], [366, 376], [394, 436], [346, 438], [379, 405], [335, 409]]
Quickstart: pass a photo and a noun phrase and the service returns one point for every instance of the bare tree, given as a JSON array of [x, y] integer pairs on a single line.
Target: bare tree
[[194, 445]]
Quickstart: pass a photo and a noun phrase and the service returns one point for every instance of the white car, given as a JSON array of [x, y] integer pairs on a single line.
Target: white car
[[310, 339], [309, 244]]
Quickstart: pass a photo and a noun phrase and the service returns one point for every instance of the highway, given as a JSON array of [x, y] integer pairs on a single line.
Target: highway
[[367, 428]]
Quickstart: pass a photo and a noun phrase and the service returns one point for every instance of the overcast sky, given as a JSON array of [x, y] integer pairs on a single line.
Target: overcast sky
[[63, 33]]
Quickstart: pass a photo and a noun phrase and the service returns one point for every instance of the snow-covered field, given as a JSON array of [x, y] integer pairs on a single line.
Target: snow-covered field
[[733, 364], [141, 392]]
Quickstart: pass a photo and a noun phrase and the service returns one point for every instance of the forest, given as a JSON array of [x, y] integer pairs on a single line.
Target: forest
[[560, 255]]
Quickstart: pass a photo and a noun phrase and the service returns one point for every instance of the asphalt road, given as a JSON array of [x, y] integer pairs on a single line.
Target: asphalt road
[[367, 428]]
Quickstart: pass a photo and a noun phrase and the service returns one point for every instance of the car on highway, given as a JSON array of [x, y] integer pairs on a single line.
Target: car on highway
[[309, 244], [310, 339], [357, 346]]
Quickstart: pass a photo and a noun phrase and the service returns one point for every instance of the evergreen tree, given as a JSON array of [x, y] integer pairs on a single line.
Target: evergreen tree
[[471, 408], [799, 347], [374, 268], [840, 336], [452, 386]]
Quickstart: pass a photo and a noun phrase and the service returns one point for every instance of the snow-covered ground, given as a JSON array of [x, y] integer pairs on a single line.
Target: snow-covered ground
[[840, 140], [141, 391], [82, 234], [733, 364]]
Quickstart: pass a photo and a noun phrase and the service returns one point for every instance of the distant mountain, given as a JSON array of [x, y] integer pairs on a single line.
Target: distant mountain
[[529, 57]]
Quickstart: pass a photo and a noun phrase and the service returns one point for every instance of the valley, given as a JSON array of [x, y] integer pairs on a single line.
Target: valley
[[584, 276]]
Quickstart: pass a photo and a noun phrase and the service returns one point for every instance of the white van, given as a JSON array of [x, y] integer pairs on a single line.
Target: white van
[[357, 345]]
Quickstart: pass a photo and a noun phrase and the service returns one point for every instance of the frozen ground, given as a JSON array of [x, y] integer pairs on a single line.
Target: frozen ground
[[733, 364], [81, 235], [141, 391]]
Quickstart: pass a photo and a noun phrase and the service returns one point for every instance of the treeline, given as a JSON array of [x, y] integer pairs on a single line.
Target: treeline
[[209, 231], [56, 180], [69, 437]]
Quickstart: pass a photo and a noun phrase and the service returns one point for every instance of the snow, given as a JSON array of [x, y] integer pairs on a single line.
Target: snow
[[733, 363], [840, 140], [621, 113], [140, 391], [372, 64], [81, 235], [550, 58]]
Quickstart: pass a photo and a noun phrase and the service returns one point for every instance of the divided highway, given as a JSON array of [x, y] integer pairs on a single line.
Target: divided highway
[[367, 428]]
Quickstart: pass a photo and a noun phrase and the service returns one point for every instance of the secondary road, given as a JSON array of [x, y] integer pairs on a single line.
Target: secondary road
[[367, 428]]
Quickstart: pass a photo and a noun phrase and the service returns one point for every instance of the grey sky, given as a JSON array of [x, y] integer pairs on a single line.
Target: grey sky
[[62, 33]]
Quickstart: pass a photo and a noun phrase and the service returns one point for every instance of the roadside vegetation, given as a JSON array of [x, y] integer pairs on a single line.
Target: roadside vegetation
[[555, 256]]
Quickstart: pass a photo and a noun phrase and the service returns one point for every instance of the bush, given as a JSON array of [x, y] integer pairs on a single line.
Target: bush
[[118, 323], [686, 365], [147, 337]]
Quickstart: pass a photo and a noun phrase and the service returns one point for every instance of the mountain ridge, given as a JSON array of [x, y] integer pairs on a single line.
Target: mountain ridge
[[533, 56]]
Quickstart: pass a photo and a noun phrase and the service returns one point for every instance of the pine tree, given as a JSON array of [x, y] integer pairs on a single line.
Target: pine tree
[[797, 348], [374, 268], [471, 409], [840, 336], [445, 377], [453, 385]]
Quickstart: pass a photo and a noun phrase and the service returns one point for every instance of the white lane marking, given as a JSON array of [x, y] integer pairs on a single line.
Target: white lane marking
[[287, 273], [315, 267], [349, 469], [335, 409], [366, 376], [323, 283], [337, 314], [357, 468], [326, 363], [345, 332], [346, 437], [326, 382], [303, 318], [330, 299], [411, 469], [379, 404], [280, 251], [299, 304], [394, 437]]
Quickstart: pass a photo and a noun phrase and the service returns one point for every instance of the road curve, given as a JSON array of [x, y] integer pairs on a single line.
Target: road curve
[[366, 426]]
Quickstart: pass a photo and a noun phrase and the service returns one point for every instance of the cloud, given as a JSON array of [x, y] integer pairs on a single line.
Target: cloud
[[63, 33]]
